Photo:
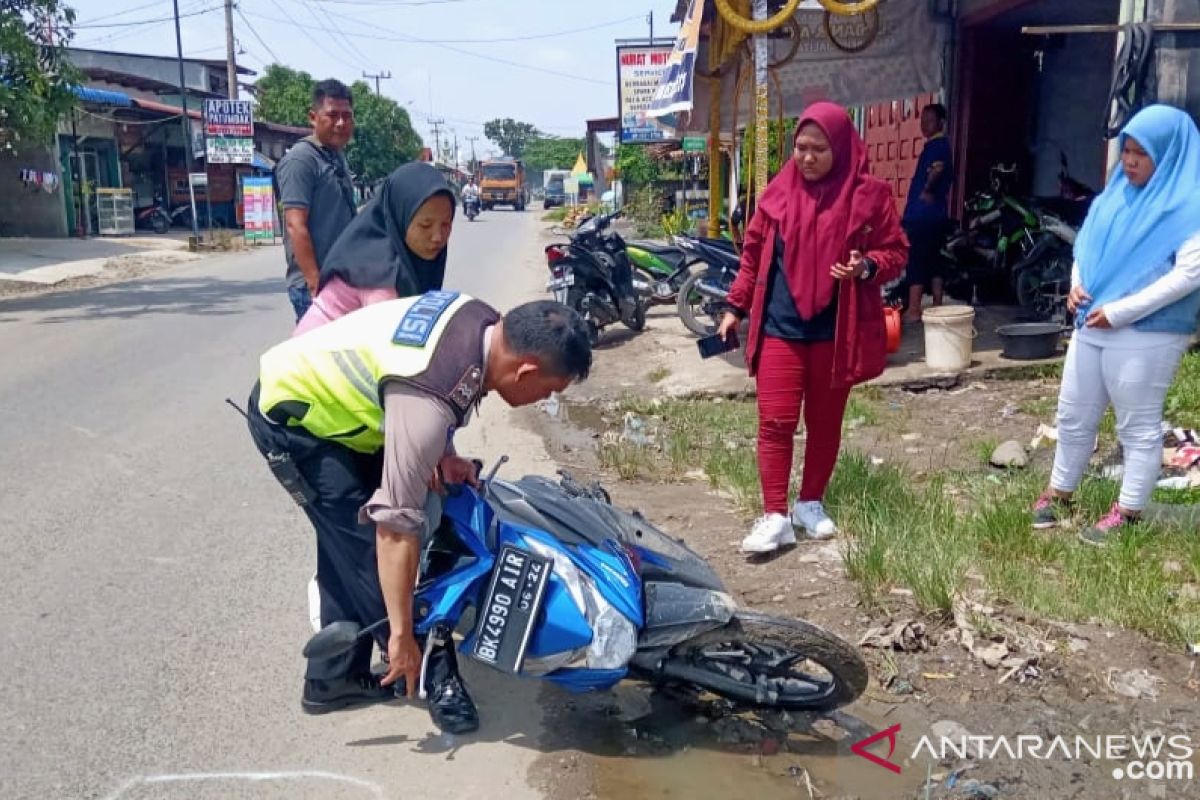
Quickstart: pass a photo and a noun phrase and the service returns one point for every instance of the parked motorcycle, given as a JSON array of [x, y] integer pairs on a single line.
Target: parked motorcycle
[[471, 208], [570, 589], [592, 275], [999, 231], [154, 217], [663, 267], [1042, 279], [701, 300]]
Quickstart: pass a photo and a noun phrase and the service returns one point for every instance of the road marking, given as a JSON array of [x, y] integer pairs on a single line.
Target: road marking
[[196, 777]]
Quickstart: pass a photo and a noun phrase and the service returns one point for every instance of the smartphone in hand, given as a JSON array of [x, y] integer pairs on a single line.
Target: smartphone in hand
[[715, 345]]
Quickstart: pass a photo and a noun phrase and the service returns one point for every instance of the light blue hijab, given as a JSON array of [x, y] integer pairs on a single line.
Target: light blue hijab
[[1131, 233]]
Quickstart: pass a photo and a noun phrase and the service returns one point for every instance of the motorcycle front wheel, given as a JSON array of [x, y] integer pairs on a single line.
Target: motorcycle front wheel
[[771, 662], [694, 308]]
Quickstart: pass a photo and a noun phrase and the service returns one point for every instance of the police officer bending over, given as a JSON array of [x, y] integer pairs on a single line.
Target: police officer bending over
[[356, 419]]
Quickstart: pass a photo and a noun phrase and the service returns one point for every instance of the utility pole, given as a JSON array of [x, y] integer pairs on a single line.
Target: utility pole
[[187, 127], [386, 75], [474, 160], [437, 124], [650, 19], [230, 51], [455, 149]]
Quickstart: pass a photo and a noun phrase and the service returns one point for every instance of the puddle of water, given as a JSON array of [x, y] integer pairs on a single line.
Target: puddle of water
[[688, 750]]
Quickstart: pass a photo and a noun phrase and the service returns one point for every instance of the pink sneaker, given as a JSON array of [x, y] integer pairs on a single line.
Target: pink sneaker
[[1111, 524]]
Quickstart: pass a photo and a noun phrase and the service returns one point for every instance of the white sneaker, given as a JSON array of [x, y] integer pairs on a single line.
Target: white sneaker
[[812, 517], [768, 533]]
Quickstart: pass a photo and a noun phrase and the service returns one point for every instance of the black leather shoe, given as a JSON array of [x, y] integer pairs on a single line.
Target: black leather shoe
[[451, 708], [323, 696]]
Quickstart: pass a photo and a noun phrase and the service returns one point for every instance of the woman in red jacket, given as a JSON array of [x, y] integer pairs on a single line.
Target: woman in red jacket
[[824, 240]]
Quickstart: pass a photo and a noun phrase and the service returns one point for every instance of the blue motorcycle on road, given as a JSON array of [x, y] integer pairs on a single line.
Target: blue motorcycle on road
[[566, 587]]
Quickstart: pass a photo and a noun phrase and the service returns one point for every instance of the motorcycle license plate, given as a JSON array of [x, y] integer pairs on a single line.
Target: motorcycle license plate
[[561, 283], [509, 609]]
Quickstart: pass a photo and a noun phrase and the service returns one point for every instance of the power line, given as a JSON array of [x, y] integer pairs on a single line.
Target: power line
[[346, 45], [145, 21], [254, 33], [304, 29], [390, 2], [406, 38], [403, 37], [116, 14]]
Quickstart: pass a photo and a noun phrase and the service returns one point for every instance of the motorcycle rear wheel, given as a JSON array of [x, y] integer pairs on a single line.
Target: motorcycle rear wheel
[[691, 307], [759, 660]]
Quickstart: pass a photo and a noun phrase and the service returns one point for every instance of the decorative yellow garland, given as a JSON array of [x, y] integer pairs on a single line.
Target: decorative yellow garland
[[843, 8], [767, 25]]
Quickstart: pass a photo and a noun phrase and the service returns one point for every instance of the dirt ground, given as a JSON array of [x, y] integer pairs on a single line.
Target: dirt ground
[[696, 750], [116, 270]]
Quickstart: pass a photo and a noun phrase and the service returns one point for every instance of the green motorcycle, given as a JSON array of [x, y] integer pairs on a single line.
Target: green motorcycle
[[664, 267]]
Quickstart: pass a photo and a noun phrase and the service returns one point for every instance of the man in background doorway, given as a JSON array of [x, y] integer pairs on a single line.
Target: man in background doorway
[[315, 191], [926, 218]]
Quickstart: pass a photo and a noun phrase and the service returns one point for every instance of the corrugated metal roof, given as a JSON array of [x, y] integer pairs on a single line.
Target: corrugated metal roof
[[151, 105], [105, 97]]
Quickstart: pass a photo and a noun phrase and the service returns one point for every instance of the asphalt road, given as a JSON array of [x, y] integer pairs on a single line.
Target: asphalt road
[[153, 575]]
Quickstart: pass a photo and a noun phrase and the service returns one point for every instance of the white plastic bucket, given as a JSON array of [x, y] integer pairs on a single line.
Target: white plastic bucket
[[949, 336]]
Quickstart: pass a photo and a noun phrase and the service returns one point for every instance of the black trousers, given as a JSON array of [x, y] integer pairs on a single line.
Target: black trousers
[[925, 261], [347, 575]]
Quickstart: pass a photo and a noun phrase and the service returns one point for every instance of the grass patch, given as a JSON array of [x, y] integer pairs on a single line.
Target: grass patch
[[555, 215], [1183, 401], [630, 461], [864, 405], [928, 535], [904, 533], [984, 448], [658, 374], [717, 436], [1039, 407], [1028, 372]]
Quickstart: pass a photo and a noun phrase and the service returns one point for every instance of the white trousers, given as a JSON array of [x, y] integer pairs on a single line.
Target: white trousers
[[1132, 371]]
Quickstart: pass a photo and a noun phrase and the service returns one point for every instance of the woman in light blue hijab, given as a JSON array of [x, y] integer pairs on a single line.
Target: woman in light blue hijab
[[1136, 296]]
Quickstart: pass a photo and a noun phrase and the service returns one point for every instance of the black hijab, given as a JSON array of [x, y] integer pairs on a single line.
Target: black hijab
[[371, 252]]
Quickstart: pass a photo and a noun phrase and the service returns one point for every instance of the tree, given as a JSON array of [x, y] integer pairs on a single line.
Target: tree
[[552, 152], [284, 95], [35, 77], [511, 136], [635, 166], [383, 138]]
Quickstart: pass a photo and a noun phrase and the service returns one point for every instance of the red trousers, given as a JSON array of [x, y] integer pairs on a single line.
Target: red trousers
[[790, 375]]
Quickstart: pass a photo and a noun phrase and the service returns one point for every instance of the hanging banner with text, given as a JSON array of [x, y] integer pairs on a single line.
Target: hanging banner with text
[[258, 209], [229, 131], [639, 70], [674, 91]]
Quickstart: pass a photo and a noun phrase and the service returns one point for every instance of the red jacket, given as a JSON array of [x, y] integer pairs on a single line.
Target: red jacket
[[860, 346]]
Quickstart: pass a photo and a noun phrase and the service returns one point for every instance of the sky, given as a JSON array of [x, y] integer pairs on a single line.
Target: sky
[[560, 70]]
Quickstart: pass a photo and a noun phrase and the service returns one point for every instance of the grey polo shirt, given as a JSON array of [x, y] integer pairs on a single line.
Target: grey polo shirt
[[313, 177]]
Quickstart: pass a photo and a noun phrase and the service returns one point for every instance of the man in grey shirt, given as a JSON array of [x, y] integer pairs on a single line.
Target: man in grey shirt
[[315, 191]]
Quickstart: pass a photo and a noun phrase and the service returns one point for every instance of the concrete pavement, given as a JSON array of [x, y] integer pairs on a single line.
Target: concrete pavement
[[52, 261], [153, 575]]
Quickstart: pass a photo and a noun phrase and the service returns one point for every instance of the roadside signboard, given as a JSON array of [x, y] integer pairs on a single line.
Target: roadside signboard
[[258, 207], [695, 144], [640, 67], [229, 131]]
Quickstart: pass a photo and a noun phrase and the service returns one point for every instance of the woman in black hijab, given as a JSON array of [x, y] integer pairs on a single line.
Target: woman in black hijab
[[395, 248]]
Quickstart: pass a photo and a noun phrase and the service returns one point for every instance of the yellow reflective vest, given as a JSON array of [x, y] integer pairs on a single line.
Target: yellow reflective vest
[[330, 380]]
